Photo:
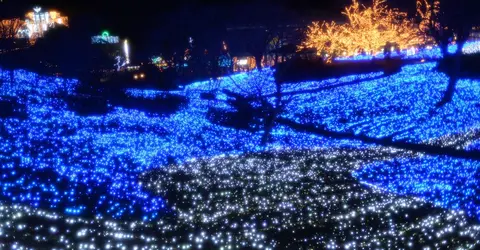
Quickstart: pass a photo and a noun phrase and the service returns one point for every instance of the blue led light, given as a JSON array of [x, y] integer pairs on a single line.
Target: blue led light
[[426, 53], [398, 106], [446, 182], [89, 173], [89, 166]]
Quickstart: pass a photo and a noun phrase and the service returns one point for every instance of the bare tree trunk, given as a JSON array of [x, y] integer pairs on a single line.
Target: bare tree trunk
[[444, 49], [268, 127], [12, 76], [272, 114], [454, 75], [258, 61]]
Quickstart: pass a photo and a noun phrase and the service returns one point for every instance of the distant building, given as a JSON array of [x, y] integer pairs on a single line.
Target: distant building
[[475, 34], [279, 42], [113, 48], [38, 22], [243, 62]]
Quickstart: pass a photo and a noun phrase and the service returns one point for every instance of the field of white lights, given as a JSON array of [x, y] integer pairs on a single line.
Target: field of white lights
[[128, 178]]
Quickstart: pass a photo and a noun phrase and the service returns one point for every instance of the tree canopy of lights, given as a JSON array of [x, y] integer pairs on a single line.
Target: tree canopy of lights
[[367, 29], [427, 11], [9, 27], [447, 20]]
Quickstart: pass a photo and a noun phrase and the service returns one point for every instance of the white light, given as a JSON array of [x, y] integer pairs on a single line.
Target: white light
[[242, 62], [127, 51], [37, 9]]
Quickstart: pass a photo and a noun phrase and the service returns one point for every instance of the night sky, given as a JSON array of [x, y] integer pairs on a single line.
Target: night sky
[[150, 23], [139, 15]]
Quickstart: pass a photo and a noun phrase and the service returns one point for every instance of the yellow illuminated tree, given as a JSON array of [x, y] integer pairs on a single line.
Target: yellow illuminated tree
[[368, 29], [9, 28], [433, 24]]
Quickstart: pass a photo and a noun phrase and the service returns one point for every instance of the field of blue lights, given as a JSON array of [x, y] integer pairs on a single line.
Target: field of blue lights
[[399, 106], [129, 178], [58, 159], [446, 182]]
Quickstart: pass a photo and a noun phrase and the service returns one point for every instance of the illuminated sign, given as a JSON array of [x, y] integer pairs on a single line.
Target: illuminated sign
[[105, 38]]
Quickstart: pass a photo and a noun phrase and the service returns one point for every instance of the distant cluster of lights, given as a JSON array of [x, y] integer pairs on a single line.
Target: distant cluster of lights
[[146, 93], [430, 52], [474, 146]]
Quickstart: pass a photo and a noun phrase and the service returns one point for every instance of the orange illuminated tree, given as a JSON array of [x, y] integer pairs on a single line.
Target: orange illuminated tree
[[368, 29], [434, 24], [9, 29]]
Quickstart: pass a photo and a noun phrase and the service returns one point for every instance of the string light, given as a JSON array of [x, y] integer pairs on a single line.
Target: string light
[[104, 181], [430, 53]]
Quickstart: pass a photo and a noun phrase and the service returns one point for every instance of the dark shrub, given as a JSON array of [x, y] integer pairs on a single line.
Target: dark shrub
[[11, 108]]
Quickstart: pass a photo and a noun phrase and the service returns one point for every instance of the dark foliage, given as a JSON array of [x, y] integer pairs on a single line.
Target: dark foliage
[[166, 104], [297, 70], [154, 79], [468, 65], [11, 108], [88, 105]]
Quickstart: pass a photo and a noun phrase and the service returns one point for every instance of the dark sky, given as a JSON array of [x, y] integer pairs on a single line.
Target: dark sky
[[135, 15], [149, 22]]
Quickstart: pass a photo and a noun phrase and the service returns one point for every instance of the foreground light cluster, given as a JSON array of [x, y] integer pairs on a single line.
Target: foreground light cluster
[[278, 200], [446, 182], [73, 181], [54, 158]]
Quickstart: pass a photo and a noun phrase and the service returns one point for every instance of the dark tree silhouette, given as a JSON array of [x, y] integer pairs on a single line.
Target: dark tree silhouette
[[63, 49], [257, 90], [68, 50], [451, 20]]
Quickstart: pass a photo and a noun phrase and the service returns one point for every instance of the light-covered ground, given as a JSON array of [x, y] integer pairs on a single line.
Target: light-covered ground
[[103, 181], [277, 200]]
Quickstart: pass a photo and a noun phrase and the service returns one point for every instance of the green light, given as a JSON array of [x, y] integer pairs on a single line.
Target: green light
[[105, 33], [156, 59]]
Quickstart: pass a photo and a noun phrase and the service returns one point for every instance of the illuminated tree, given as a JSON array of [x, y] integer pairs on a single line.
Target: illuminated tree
[[225, 60], [368, 29], [433, 24], [443, 21], [9, 29]]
